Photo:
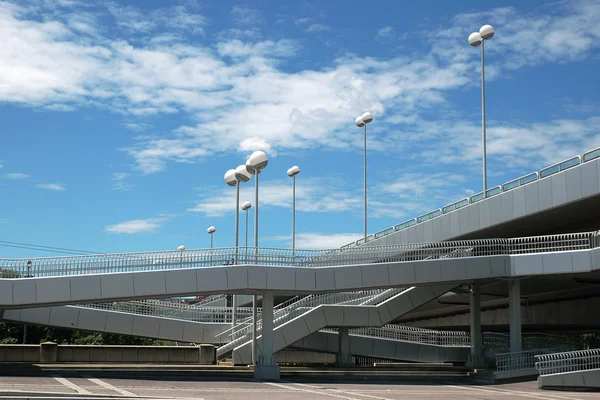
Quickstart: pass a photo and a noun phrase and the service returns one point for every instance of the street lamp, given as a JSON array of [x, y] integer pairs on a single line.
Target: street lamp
[[211, 230], [292, 172], [234, 177], [255, 164], [476, 39], [362, 121], [245, 207], [180, 249]]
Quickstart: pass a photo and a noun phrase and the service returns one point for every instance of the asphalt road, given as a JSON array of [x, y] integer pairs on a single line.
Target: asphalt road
[[88, 386]]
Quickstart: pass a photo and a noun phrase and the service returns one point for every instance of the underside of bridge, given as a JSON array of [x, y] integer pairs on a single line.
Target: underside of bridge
[[551, 303]]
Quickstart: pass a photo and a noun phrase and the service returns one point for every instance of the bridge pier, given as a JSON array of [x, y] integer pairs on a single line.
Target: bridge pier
[[344, 356], [267, 368], [514, 314], [476, 358]]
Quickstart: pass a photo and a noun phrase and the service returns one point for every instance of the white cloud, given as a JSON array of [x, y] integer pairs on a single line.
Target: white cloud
[[57, 187], [246, 16], [313, 195], [137, 126], [309, 241], [135, 226], [119, 181], [387, 31], [317, 28], [49, 63], [16, 175]]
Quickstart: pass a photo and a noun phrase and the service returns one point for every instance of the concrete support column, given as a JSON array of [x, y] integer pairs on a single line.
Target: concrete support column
[[475, 324], [344, 356], [267, 369], [514, 314]]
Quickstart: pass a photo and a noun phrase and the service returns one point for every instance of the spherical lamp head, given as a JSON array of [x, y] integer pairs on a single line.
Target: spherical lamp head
[[475, 39], [211, 229], [230, 177], [247, 205], [367, 117], [242, 174], [486, 32], [295, 170], [181, 248], [359, 122], [257, 162]]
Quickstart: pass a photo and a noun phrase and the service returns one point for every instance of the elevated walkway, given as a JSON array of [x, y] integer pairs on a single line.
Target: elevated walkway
[[560, 198], [569, 370], [102, 278]]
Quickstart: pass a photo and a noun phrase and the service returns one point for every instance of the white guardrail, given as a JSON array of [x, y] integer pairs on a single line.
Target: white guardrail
[[153, 261], [520, 361], [558, 363], [510, 185]]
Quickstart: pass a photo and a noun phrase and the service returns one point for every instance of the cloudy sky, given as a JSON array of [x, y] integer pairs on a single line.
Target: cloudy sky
[[118, 119]]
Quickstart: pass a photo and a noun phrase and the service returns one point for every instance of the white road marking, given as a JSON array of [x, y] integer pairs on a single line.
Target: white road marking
[[344, 392], [109, 386], [311, 391], [70, 385], [544, 396]]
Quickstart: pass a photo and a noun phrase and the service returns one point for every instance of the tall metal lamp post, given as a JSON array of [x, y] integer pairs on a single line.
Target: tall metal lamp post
[[476, 39], [245, 207], [234, 177], [362, 121], [211, 230], [292, 172], [255, 164]]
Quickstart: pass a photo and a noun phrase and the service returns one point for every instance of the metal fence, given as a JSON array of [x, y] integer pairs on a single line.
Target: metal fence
[[165, 309], [510, 185], [522, 360], [414, 335], [155, 261], [571, 361]]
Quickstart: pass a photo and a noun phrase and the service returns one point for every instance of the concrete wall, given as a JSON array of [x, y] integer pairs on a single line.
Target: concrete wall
[[205, 354], [555, 191], [579, 379]]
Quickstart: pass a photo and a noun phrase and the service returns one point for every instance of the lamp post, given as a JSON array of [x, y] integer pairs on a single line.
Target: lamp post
[[245, 207], [234, 177], [255, 164], [180, 249], [362, 121], [292, 172], [211, 230], [476, 39]]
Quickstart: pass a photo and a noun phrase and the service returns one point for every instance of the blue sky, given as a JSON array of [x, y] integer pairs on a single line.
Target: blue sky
[[118, 120]]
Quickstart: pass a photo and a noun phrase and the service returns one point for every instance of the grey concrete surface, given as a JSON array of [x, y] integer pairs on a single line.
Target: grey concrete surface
[[253, 390]]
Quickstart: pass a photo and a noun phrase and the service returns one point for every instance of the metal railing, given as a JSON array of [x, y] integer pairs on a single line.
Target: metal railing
[[510, 185], [164, 309], [557, 363], [414, 335], [288, 311], [520, 361], [166, 260]]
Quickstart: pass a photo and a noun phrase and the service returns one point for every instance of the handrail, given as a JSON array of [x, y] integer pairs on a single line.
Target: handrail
[[561, 166], [524, 180], [557, 363], [455, 206], [156, 261]]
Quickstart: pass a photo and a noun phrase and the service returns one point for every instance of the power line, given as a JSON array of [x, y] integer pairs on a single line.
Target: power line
[[54, 249], [33, 248]]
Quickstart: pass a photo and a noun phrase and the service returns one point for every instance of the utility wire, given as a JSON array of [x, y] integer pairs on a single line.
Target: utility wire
[[53, 249]]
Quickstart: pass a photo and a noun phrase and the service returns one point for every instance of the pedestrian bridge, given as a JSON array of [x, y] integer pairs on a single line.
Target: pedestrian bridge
[[39, 282]]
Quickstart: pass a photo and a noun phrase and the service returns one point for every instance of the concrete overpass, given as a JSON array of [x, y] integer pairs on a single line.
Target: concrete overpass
[[561, 198]]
